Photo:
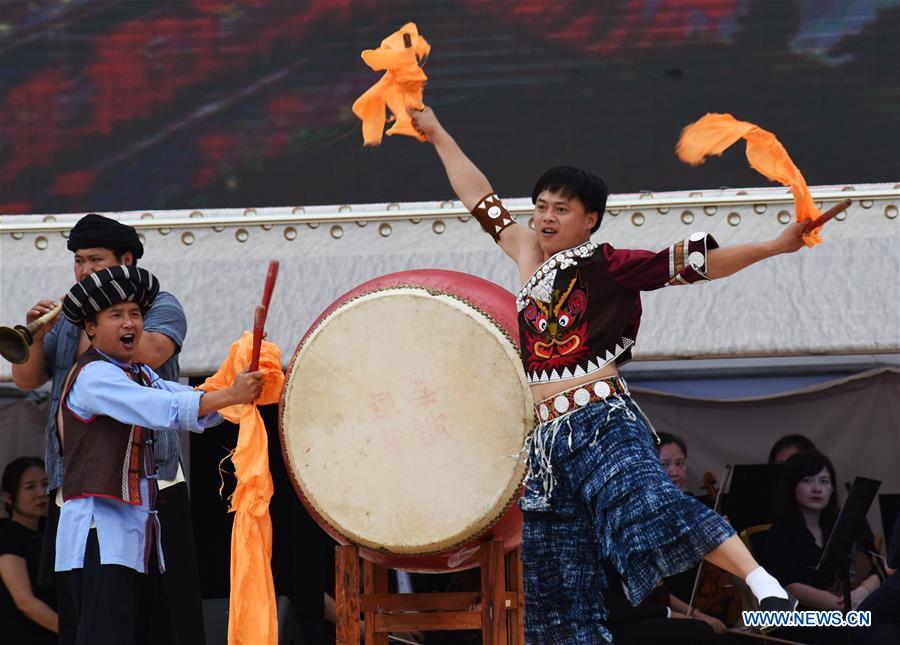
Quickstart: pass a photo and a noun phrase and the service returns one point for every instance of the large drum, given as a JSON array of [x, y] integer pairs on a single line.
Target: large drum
[[403, 417]]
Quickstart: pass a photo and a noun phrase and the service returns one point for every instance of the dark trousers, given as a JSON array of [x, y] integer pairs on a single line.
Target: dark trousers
[[172, 600], [104, 601]]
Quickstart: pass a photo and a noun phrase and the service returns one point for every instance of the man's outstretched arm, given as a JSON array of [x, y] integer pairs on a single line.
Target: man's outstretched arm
[[468, 182], [725, 261]]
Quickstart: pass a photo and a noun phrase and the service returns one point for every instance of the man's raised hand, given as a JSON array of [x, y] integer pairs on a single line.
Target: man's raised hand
[[425, 122]]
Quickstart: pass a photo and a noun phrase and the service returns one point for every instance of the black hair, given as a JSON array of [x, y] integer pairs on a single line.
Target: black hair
[[666, 438], [572, 182], [12, 478], [805, 463], [798, 440]]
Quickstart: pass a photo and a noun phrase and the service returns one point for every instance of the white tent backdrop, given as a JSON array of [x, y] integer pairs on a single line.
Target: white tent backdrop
[[840, 297]]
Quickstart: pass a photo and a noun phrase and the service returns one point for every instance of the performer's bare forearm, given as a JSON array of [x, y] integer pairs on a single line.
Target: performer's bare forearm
[[468, 182], [730, 259], [471, 185]]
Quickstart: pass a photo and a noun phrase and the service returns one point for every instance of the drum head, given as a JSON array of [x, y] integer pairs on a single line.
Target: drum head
[[403, 416]]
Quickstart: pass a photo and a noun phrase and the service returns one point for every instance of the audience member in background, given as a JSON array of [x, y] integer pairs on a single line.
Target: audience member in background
[[672, 451], [806, 510], [787, 446], [27, 610], [884, 603]]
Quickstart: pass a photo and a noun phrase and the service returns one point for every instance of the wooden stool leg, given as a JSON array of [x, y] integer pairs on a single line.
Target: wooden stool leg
[[375, 580], [346, 594], [493, 588], [515, 583]]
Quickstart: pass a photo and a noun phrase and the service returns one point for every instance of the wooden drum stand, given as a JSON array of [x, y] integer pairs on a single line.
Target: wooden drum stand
[[497, 610]]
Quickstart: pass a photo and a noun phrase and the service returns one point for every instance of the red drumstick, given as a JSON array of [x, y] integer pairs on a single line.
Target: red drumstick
[[270, 283], [840, 207], [259, 322]]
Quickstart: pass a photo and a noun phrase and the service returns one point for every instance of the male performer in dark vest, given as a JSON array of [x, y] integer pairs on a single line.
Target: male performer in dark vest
[[111, 544], [100, 242]]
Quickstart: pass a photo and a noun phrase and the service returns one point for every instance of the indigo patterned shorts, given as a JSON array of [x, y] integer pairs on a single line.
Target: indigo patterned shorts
[[596, 491]]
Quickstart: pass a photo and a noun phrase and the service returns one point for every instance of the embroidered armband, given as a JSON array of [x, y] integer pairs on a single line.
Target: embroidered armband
[[687, 259], [492, 215]]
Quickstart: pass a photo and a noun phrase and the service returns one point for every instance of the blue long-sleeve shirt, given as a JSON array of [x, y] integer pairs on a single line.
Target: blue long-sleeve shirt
[[165, 316], [104, 388]]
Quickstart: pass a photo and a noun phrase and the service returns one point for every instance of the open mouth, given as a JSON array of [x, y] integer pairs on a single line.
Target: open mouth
[[127, 340], [548, 231]]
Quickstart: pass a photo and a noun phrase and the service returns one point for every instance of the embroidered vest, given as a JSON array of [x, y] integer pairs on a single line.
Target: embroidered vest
[[102, 457], [581, 309]]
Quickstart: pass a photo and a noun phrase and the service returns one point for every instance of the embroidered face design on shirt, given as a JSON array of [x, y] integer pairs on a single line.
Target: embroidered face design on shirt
[[555, 331]]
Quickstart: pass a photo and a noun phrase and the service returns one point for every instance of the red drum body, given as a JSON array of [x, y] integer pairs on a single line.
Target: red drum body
[[403, 416]]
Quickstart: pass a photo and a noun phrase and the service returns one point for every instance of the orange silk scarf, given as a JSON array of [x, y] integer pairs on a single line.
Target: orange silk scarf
[[713, 133], [401, 86], [252, 614]]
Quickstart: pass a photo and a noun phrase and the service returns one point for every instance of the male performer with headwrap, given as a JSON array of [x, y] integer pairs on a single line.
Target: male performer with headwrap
[[100, 242], [111, 408], [595, 489]]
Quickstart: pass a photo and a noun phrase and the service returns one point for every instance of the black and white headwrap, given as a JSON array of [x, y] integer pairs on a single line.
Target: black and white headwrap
[[107, 287]]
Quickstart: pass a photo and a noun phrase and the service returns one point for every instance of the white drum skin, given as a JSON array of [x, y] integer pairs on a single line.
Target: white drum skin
[[403, 415]]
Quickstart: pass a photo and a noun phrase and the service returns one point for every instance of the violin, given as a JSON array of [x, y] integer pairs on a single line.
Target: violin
[[714, 591]]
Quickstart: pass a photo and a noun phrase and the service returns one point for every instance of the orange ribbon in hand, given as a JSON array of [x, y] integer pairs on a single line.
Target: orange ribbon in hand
[[713, 133], [401, 86], [252, 616]]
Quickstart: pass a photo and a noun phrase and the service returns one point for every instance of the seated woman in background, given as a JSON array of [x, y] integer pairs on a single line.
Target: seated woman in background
[[672, 451], [27, 613], [806, 510]]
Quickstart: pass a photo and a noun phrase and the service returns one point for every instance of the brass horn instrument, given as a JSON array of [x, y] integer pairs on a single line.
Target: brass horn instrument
[[15, 341]]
